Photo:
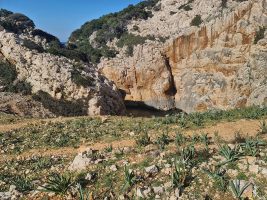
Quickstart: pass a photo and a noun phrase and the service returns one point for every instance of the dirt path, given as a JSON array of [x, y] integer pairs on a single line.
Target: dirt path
[[226, 130]]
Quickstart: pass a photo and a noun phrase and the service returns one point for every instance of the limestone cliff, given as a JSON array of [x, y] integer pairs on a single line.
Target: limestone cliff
[[64, 86], [197, 55]]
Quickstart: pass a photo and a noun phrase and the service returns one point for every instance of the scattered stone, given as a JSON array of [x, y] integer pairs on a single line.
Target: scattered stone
[[158, 190], [132, 133], [152, 169], [113, 168], [126, 150]]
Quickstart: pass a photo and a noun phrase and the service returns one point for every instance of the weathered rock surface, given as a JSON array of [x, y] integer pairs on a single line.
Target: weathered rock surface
[[217, 65], [53, 77]]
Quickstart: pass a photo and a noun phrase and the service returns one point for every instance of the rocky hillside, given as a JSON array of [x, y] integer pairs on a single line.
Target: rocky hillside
[[192, 55], [33, 63]]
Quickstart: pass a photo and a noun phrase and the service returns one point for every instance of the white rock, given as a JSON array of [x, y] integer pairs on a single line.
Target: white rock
[[152, 169], [158, 190], [113, 168]]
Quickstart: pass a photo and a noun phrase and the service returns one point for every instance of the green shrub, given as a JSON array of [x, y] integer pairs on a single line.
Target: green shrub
[[22, 184], [5, 13], [81, 80], [60, 107], [196, 21], [22, 87], [259, 34], [131, 40], [15, 22], [33, 46], [58, 184], [49, 38], [186, 6], [8, 73]]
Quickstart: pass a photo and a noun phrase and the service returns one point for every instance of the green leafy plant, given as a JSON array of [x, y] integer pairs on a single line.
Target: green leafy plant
[[218, 177], [162, 141], [230, 154], [129, 178], [144, 140], [188, 154], [83, 194], [108, 149], [179, 139], [182, 120], [59, 184], [180, 174], [196, 21], [251, 147], [22, 184], [237, 189]]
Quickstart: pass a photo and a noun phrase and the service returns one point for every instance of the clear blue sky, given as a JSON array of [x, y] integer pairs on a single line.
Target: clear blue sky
[[61, 17]]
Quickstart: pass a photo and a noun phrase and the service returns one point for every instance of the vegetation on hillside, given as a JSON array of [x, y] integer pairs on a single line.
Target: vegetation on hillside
[[107, 28], [8, 76], [15, 22]]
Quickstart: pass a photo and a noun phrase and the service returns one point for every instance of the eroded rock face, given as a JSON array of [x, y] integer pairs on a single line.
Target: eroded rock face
[[145, 77], [54, 76], [218, 65]]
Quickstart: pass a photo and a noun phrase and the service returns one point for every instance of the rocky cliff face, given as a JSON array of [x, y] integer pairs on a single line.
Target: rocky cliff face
[[213, 55], [64, 86]]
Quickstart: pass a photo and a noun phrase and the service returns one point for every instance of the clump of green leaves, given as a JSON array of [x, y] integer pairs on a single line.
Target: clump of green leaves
[[129, 178], [237, 189], [188, 154], [23, 184], [196, 21], [59, 184], [251, 146], [180, 139], [219, 178], [143, 140], [230, 154], [180, 175], [259, 34], [162, 141], [83, 194]]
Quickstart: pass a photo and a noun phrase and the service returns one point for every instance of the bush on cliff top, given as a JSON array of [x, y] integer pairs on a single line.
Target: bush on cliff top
[[15, 22]]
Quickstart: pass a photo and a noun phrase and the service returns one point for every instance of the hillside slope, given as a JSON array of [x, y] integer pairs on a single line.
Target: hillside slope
[[191, 55], [63, 85]]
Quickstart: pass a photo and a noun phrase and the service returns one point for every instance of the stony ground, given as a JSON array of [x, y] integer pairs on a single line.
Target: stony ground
[[197, 156]]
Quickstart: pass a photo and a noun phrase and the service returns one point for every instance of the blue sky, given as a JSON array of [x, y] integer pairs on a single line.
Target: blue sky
[[61, 17]]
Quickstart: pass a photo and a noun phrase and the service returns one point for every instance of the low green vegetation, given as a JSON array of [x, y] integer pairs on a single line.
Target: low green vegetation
[[186, 6], [131, 40], [159, 155], [196, 21], [15, 22], [259, 34], [8, 76]]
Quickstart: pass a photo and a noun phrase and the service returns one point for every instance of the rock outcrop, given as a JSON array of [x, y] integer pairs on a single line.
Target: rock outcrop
[[21, 105], [219, 65], [64, 86]]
